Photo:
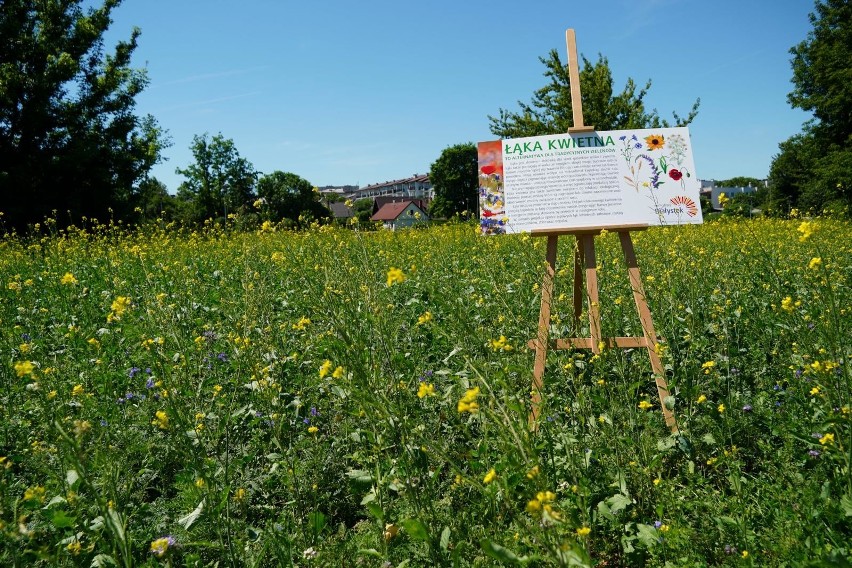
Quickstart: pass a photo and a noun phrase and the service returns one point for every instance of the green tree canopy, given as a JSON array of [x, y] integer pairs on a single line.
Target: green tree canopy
[[219, 182], [69, 138], [454, 179], [814, 169], [288, 196], [550, 111]]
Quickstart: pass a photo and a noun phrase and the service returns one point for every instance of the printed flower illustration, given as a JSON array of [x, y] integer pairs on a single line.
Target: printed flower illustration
[[675, 174], [655, 141], [489, 169]]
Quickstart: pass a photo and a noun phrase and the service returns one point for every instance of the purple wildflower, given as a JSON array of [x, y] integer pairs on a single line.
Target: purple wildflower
[[133, 371], [314, 411], [747, 408], [149, 384], [813, 453]]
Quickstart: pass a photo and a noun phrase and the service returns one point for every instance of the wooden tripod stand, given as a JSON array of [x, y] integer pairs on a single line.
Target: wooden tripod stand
[[585, 268]]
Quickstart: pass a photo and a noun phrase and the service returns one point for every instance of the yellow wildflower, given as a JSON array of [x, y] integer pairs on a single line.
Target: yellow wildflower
[[701, 399], [500, 344], [806, 229], [120, 305], [325, 369], [74, 547], [583, 531], [721, 408], [425, 389], [395, 276], [468, 401], [24, 368], [390, 531], [339, 372], [787, 304], [68, 279], [34, 494], [533, 506], [814, 391], [160, 546], [645, 405], [827, 439], [533, 472], [815, 262], [313, 429], [425, 318], [489, 477], [78, 390], [161, 420]]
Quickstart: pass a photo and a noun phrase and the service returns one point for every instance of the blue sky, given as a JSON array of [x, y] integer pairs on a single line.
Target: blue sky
[[343, 92]]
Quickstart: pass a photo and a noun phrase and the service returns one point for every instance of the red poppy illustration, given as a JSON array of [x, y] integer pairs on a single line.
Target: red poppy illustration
[[489, 169], [675, 174]]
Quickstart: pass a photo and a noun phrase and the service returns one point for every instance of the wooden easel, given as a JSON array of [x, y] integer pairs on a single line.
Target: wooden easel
[[585, 268]]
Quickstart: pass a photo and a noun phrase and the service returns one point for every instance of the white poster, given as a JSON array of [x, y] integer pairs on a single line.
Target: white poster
[[593, 179]]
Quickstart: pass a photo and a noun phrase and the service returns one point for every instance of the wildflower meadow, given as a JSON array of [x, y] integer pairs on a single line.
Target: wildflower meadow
[[334, 397]]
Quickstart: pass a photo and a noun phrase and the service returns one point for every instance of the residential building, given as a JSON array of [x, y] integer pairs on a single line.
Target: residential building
[[414, 187], [400, 214]]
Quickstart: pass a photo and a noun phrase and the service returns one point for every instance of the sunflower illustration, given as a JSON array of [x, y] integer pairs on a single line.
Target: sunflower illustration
[[655, 141]]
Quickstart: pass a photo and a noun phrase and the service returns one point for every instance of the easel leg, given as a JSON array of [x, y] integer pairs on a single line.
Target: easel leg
[[579, 259], [543, 336], [588, 242], [647, 327]]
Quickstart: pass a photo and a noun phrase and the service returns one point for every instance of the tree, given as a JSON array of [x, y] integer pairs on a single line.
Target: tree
[[220, 181], [288, 196], [550, 111], [813, 169], [69, 138], [454, 177], [822, 76]]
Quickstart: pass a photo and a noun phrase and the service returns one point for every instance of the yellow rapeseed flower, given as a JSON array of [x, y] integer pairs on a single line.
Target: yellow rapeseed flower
[[161, 420], [68, 279], [160, 546], [325, 369], [395, 276], [815, 263], [787, 304], [78, 390], [806, 229], [490, 476], [425, 389], [120, 305], [500, 344], [24, 368], [468, 401]]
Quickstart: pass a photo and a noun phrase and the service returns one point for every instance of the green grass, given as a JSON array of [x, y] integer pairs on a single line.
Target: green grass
[[254, 397]]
